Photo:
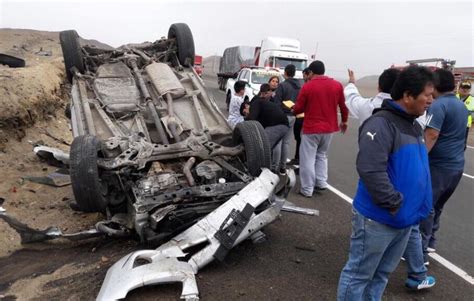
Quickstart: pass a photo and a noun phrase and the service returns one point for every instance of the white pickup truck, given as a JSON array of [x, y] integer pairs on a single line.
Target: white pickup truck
[[255, 77]]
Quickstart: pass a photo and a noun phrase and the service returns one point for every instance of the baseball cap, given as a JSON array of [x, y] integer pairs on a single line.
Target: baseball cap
[[466, 85]]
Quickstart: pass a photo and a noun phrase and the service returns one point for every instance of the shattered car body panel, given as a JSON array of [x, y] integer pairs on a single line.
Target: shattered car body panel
[[167, 263]]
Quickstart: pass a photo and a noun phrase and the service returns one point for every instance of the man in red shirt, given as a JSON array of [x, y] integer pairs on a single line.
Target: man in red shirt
[[318, 100]]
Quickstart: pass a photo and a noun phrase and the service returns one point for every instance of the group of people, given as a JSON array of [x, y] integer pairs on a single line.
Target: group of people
[[411, 158], [412, 138], [309, 112]]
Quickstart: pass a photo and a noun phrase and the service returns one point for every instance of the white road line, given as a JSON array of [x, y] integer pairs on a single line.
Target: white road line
[[471, 147], [469, 176], [458, 271], [443, 261]]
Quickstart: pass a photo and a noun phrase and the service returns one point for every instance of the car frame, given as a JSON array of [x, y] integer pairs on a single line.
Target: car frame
[[151, 150]]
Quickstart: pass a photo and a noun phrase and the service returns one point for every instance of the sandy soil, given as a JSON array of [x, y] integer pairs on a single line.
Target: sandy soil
[[32, 93]]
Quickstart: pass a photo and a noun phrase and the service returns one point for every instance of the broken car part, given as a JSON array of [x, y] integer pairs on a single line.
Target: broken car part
[[290, 207], [11, 61], [53, 156], [168, 264]]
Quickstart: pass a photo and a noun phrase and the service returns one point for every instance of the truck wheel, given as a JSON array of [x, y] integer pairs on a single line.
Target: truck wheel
[[184, 43], [71, 52], [89, 191], [227, 100], [257, 148]]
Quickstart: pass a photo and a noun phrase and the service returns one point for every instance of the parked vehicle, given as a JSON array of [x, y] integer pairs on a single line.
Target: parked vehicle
[[254, 77], [234, 59], [198, 64], [277, 53]]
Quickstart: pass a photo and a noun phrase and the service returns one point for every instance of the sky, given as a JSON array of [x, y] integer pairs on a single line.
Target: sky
[[367, 36]]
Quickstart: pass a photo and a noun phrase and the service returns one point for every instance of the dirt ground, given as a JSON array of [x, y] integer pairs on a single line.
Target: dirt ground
[[32, 101]]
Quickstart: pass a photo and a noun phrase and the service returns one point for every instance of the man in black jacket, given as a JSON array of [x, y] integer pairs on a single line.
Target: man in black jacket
[[287, 90], [270, 116]]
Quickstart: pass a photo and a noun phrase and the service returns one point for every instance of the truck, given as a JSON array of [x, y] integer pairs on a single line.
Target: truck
[[198, 64], [276, 52], [233, 59], [254, 77]]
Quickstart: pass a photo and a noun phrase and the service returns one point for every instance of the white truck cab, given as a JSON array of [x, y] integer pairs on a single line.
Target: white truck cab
[[278, 52]]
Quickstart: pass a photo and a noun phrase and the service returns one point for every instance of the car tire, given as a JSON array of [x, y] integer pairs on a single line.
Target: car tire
[[257, 147], [184, 43], [89, 191], [11, 61], [72, 53]]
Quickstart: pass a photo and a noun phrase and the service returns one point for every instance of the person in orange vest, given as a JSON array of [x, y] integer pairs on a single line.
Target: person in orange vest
[[464, 94]]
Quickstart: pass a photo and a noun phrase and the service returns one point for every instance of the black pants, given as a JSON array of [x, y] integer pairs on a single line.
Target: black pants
[[297, 132], [444, 183]]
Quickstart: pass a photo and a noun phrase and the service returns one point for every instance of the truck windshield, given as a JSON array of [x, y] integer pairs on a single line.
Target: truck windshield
[[281, 63], [262, 77]]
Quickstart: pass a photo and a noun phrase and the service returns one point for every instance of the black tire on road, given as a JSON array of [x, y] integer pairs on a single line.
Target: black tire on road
[[72, 53], [184, 43], [257, 148], [11, 61], [89, 190]]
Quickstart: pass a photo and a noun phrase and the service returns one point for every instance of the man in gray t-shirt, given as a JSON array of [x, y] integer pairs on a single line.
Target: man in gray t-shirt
[[445, 137]]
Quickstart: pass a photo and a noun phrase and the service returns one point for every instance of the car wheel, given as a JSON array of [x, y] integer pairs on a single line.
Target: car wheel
[[89, 190], [72, 53], [227, 100], [257, 148], [184, 43]]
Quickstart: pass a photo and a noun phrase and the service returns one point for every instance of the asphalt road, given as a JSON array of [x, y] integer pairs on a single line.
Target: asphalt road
[[456, 236]]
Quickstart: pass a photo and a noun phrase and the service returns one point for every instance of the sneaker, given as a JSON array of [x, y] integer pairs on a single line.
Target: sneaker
[[305, 195], [320, 188], [403, 259], [430, 250], [428, 282], [282, 171]]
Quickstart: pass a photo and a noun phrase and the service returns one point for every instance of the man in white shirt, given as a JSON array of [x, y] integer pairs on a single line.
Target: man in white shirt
[[235, 103], [361, 107]]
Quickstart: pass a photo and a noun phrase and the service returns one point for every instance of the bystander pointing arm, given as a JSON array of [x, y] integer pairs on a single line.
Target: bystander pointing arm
[[376, 139], [355, 102]]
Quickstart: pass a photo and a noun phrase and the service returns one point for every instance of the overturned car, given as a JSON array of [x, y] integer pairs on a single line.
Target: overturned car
[[153, 152]]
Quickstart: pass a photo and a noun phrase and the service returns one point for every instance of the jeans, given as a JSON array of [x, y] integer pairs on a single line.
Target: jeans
[[414, 255], [444, 182], [275, 134], [282, 150], [374, 253], [314, 161]]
